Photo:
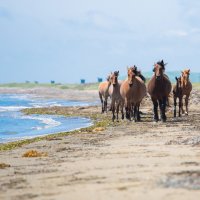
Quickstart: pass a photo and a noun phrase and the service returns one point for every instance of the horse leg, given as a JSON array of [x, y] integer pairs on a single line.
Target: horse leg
[[122, 108], [155, 109], [162, 105], [105, 105], [175, 106], [186, 104], [117, 111], [135, 113], [102, 103], [180, 105], [182, 108], [113, 110], [127, 109], [138, 113]]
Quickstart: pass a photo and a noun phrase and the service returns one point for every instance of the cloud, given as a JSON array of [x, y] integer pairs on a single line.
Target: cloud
[[177, 33]]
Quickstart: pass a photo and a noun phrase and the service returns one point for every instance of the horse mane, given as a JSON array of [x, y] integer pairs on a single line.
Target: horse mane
[[162, 64], [116, 73]]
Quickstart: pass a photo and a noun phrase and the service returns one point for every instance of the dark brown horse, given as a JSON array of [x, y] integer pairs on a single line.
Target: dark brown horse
[[177, 93], [159, 88]]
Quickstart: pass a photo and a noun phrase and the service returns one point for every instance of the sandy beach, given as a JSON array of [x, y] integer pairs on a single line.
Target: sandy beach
[[127, 160]]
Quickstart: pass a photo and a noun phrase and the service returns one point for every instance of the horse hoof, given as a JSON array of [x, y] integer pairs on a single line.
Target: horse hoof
[[127, 116], [186, 113]]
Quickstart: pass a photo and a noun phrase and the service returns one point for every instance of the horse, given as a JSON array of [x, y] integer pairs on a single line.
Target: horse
[[186, 88], [116, 98], [138, 72], [159, 88], [178, 93], [104, 93], [132, 90]]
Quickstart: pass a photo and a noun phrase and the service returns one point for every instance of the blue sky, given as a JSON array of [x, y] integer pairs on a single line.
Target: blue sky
[[66, 40]]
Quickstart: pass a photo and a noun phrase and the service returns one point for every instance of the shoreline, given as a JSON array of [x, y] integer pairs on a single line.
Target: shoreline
[[70, 111], [122, 160], [49, 93]]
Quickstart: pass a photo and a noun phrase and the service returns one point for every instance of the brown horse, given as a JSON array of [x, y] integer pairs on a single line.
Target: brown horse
[[132, 90], [186, 88], [116, 98], [177, 93], [159, 88], [104, 93]]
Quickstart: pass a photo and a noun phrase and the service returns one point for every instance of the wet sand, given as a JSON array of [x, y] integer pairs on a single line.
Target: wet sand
[[129, 160]]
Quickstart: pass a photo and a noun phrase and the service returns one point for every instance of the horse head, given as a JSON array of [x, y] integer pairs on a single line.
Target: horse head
[[178, 83], [114, 78], [131, 76], [186, 74], [159, 69], [134, 69]]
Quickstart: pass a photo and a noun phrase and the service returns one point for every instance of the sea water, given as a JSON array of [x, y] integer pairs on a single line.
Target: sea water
[[14, 125], [194, 76]]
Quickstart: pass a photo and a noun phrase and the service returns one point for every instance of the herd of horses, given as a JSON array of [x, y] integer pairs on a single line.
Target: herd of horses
[[129, 93]]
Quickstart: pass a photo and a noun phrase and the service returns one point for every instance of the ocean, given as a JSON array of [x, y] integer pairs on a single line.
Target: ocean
[[14, 125], [194, 76]]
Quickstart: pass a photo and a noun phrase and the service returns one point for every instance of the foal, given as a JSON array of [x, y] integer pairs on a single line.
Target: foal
[[177, 93]]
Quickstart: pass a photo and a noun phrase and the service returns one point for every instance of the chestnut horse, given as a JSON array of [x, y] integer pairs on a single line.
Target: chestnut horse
[[132, 90], [186, 88], [104, 93], [116, 98], [177, 93], [159, 88]]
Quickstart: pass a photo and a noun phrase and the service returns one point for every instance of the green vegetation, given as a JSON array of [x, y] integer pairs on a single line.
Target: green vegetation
[[87, 86]]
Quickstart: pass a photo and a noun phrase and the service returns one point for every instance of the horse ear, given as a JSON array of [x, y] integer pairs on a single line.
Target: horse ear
[[153, 70], [176, 78]]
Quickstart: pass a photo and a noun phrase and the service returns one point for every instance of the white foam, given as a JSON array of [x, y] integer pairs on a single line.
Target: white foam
[[45, 120], [12, 108]]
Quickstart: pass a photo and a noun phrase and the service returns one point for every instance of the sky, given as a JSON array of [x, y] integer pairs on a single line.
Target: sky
[[67, 40]]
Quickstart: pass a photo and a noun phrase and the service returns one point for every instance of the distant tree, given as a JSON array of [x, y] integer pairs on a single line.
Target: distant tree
[[36, 82], [52, 82]]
